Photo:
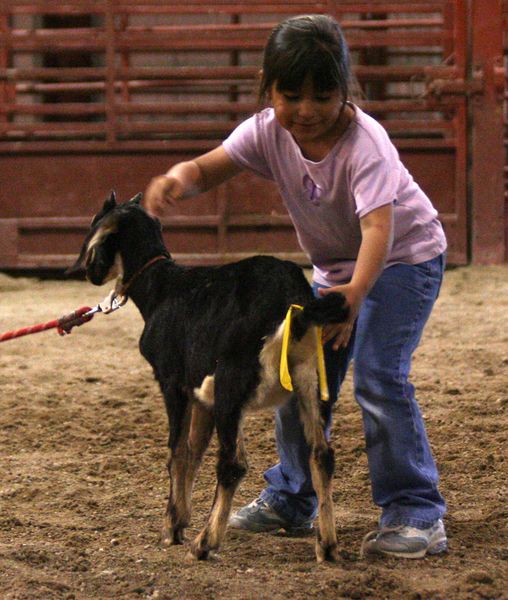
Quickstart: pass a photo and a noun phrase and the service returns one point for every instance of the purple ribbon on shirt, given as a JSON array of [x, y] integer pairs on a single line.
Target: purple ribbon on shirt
[[313, 190]]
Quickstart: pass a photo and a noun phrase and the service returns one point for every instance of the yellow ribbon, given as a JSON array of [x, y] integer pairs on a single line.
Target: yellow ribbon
[[285, 377]]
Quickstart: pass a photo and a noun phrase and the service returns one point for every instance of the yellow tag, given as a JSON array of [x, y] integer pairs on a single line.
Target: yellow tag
[[285, 377]]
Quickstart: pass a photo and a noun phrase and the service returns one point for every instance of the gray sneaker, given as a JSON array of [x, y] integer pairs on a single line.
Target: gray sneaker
[[405, 541], [259, 517]]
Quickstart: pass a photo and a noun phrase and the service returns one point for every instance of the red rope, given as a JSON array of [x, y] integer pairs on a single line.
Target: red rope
[[63, 324]]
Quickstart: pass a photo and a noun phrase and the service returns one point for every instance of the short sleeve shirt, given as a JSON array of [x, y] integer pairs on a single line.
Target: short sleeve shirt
[[327, 199]]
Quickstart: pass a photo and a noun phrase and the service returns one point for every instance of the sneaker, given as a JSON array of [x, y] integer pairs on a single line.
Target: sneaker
[[405, 541], [259, 517]]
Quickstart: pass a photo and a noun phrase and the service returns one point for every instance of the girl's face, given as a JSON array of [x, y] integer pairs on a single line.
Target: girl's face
[[310, 116]]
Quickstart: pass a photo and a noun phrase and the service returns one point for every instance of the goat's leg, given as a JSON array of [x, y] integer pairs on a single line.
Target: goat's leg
[[231, 468], [177, 513], [321, 465], [183, 465], [201, 429]]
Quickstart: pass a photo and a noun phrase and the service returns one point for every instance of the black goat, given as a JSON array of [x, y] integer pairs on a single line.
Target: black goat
[[213, 337]]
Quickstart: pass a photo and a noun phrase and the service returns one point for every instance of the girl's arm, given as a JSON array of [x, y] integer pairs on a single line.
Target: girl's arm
[[377, 237], [187, 179]]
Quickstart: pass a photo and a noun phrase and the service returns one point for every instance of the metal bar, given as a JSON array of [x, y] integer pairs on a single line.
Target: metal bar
[[138, 86], [487, 208], [110, 74], [368, 72], [219, 72], [428, 144], [265, 28], [220, 127], [402, 72], [125, 62], [96, 146], [451, 13], [79, 223], [154, 7], [56, 73], [269, 7], [4, 63], [57, 261], [233, 111], [286, 8], [164, 146], [422, 126], [193, 39], [175, 221], [397, 72], [33, 7], [62, 108], [384, 106], [59, 128], [182, 107]]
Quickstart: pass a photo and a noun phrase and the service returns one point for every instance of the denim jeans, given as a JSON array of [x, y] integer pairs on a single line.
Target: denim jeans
[[402, 470]]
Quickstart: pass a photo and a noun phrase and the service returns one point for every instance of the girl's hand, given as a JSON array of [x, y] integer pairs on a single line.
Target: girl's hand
[[162, 191], [187, 179], [341, 332]]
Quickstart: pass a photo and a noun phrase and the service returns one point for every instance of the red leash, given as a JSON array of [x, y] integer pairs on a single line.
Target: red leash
[[63, 324], [84, 314]]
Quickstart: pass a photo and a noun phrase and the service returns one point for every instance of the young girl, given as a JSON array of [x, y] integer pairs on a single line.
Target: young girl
[[372, 234]]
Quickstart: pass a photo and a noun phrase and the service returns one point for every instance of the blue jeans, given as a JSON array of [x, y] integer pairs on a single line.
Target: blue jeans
[[402, 470]]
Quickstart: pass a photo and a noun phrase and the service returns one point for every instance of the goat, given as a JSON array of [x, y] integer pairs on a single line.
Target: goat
[[213, 337]]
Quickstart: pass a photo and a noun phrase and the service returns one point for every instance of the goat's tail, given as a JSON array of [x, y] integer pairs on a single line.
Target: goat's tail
[[331, 308]]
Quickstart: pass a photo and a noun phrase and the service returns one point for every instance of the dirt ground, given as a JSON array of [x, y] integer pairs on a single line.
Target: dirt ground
[[83, 480]]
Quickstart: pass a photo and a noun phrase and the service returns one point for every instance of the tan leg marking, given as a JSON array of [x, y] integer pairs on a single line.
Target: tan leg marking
[[306, 386], [183, 467], [212, 535]]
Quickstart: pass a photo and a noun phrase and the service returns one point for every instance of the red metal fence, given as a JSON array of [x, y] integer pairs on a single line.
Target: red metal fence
[[101, 94], [505, 122]]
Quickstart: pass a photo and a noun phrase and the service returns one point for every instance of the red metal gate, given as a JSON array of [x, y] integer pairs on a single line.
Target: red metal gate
[[102, 94], [505, 129]]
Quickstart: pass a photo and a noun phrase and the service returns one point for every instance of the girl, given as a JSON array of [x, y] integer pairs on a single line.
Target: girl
[[371, 234]]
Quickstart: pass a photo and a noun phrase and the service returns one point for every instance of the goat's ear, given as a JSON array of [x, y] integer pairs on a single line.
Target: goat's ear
[[110, 202], [137, 199]]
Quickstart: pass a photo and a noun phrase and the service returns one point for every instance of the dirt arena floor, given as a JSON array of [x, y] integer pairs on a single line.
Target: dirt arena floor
[[83, 481]]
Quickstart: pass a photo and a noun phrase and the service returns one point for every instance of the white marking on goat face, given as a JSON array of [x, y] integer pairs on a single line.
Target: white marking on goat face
[[101, 234]]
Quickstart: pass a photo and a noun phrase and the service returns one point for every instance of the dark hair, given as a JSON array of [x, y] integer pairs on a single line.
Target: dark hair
[[306, 45]]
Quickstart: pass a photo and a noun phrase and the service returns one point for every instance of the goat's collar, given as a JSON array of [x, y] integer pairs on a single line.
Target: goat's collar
[[123, 288]]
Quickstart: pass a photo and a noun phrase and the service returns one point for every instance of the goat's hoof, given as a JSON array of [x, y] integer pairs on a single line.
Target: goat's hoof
[[172, 538], [326, 553], [197, 553]]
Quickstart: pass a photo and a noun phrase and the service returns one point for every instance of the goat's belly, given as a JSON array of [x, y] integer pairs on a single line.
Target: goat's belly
[[269, 391]]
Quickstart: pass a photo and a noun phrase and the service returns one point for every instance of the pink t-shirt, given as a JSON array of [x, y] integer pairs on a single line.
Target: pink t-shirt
[[326, 199]]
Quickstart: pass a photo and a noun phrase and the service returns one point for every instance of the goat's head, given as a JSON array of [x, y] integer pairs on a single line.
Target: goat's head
[[101, 253]]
